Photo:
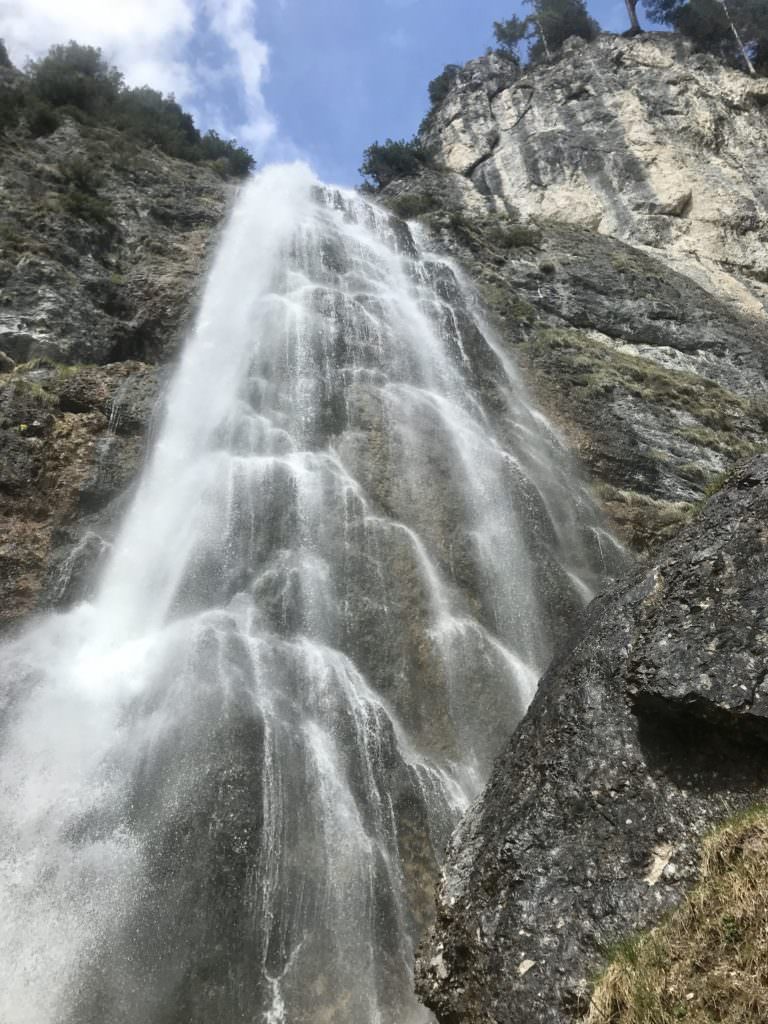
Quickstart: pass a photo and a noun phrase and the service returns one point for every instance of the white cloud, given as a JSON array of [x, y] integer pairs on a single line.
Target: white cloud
[[166, 44], [231, 20]]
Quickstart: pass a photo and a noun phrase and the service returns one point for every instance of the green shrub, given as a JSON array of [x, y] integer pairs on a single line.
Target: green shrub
[[80, 174], [707, 24], [440, 87], [513, 236], [395, 158], [42, 119], [77, 75], [82, 199], [78, 81], [413, 205], [87, 206], [5, 60], [511, 34], [150, 117], [10, 108], [238, 159], [546, 30]]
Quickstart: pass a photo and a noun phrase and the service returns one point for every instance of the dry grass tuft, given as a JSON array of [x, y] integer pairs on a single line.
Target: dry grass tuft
[[707, 963]]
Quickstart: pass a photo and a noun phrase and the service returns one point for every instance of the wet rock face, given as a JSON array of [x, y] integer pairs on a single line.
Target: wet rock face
[[71, 442], [102, 248], [647, 734], [657, 384]]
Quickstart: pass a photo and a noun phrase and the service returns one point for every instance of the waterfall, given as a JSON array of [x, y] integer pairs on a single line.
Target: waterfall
[[226, 782]]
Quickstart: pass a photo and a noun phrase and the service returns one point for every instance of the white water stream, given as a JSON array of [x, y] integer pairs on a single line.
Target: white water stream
[[226, 782]]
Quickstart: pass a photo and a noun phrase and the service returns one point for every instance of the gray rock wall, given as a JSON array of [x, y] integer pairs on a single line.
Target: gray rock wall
[[99, 269], [640, 139], [611, 209], [598, 204]]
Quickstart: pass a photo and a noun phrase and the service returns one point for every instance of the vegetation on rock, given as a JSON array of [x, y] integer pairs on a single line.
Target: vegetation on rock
[[546, 28], [440, 87], [77, 80], [413, 204], [383, 162], [736, 32], [706, 962]]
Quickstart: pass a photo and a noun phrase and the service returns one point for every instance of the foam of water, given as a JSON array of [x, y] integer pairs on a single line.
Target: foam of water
[[226, 783]]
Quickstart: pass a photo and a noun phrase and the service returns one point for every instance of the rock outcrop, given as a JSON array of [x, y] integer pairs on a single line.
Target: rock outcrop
[[103, 244], [653, 729], [641, 139], [71, 442], [638, 319]]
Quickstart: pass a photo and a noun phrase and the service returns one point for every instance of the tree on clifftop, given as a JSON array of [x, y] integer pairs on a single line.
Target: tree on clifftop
[[546, 28], [78, 81], [735, 30], [634, 24], [77, 76], [383, 162]]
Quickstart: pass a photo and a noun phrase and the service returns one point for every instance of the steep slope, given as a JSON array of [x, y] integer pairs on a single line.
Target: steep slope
[[103, 245], [648, 733], [611, 210]]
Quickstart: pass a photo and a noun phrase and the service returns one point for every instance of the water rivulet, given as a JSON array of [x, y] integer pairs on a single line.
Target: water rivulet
[[226, 782]]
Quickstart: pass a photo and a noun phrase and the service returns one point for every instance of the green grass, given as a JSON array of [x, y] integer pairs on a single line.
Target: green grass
[[413, 204], [600, 368]]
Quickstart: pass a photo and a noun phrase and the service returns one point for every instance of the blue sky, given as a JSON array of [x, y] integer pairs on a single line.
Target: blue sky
[[311, 79], [344, 73]]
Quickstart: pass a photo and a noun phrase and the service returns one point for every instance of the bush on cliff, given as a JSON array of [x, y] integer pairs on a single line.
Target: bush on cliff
[[708, 23], [511, 34], [546, 28], [78, 81], [440, 87], [78, 76], [384, 162]]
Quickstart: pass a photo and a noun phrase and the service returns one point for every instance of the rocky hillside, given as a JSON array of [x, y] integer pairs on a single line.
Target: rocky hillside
[[611, 210], [651, 731], [102, 246]]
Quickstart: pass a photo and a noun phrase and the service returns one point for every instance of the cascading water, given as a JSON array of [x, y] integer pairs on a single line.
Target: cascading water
[[225, 784]]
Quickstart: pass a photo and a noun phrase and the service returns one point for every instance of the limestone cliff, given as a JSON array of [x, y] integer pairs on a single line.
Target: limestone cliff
[[641, 139], [611, 209], [103, 243]]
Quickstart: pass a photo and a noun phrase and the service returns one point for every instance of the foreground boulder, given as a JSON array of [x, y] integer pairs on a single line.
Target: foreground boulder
[[648, 733]]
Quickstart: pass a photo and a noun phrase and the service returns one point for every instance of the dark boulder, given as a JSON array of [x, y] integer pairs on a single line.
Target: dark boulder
[[647, 734]]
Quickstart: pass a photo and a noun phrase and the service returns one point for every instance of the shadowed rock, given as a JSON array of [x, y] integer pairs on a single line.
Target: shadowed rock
[[652, 730]]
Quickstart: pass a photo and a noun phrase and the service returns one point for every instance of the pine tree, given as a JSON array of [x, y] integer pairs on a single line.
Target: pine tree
[[545, 30], [736, 30]]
